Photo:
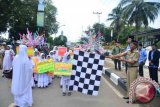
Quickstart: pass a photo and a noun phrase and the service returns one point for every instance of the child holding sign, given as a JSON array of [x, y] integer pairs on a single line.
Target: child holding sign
[[66, 79], [50, 74], [43, 77]]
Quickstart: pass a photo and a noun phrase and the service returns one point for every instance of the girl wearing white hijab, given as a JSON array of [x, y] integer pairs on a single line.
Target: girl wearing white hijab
[[66, 79], [21, 80], [37, 56], [42, 78]]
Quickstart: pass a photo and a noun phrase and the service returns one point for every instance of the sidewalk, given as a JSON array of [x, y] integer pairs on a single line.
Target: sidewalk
[[119, 77]]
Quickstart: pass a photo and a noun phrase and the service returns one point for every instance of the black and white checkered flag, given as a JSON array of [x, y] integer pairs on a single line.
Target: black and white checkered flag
[[87, 70]]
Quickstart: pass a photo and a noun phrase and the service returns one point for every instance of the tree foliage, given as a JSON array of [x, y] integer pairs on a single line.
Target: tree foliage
[[139, 12], [21, 14], [61, 40]]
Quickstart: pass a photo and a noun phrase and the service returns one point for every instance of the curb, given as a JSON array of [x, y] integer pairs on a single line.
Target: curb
[[115, 78]]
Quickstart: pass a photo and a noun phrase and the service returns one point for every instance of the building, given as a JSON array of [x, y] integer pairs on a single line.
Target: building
[[147, 37]]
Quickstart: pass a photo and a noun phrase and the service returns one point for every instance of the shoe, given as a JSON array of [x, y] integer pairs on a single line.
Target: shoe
[[125, 97], [69, 93], [131, 102], [64, 94]]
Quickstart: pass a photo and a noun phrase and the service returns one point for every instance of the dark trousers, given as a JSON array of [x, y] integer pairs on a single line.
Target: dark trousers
[[126, 67], [153, 72], [117, 62], [141, 70]]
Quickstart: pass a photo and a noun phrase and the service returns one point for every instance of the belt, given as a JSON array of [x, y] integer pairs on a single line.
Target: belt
[[132, 66]]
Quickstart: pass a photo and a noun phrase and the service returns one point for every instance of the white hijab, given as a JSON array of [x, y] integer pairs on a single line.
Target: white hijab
[[22, 72]]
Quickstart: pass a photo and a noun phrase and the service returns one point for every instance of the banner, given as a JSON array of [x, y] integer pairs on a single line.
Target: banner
[[30, 51], [62, 68], [45, 66], [62, 51]]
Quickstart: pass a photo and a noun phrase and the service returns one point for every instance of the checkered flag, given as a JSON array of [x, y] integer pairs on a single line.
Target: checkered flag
[[86, 72]]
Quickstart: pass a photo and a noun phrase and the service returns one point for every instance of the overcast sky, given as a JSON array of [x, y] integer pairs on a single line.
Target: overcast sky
[[77, 15]]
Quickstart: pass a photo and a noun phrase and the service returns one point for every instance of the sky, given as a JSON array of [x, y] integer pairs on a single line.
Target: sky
[[75, 16]]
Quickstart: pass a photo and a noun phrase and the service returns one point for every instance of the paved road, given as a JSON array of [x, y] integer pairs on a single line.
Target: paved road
[[52, 97]]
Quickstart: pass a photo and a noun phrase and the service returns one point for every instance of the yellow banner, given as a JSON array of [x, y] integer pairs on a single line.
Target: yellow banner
[[45, 66], [62, 68]]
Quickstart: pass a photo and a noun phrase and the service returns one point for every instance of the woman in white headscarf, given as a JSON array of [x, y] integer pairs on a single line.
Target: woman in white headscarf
[[21, 80], [7, 60], [42, 78]]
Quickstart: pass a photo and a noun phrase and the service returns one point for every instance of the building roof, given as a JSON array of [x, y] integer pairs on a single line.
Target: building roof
[[147, 33]]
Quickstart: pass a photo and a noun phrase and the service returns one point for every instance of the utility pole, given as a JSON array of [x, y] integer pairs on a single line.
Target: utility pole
[[98, 14]]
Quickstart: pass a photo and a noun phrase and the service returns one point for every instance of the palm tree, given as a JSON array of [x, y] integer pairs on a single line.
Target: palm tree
[[139, 12], [117, 21]]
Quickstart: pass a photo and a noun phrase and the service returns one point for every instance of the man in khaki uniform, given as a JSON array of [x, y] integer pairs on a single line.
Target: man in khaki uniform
[[132, 60]]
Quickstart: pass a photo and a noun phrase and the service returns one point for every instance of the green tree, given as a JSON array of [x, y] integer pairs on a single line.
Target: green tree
[[60, 40], [21, 14], [139, 12], [117, 20]]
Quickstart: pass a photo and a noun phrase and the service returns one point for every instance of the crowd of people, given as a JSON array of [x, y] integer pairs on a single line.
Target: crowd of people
[[24, 77], [20, 68], [134, 58]]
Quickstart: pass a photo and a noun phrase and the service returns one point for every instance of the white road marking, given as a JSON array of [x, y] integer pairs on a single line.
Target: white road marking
[[114, 89]]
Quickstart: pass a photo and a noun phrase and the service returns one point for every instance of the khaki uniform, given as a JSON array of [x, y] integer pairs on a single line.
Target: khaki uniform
[[132, 71]]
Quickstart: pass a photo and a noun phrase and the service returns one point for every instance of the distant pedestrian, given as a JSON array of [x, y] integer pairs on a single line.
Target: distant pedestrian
[[142, 59], [116, 50], [7, 61], [153, 58]]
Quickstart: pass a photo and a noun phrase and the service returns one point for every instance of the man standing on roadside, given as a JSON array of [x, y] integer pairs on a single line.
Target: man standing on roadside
[[129, 40], [116, 50], [132, 62], [142, 59], [153, 58]]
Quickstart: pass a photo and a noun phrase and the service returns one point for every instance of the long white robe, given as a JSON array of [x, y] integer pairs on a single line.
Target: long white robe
[[7, 61], [21, 80]]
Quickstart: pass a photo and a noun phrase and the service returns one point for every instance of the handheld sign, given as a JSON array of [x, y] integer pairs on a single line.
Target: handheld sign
[[62, 68], [62, 51]]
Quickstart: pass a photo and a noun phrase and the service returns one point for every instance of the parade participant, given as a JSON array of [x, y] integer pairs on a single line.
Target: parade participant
[[31, 61], [153, 58], [42, 78], [36, 58], [53, 55], [21, 80], [50, 75], [7, 61], [66, 79], [132, 62], [142, 59]]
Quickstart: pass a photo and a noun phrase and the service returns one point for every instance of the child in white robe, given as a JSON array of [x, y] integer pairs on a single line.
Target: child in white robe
[[37, 57], [42, 78], [66, 79], [50, 75], [31, 61]]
